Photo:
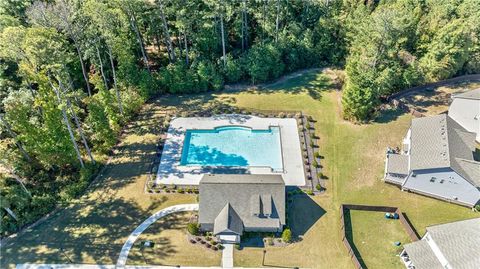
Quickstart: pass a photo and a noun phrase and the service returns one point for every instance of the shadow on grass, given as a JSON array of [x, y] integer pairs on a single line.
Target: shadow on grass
[[312, 82], [349, 236], [94, 226], [303, 213], [389, 115]]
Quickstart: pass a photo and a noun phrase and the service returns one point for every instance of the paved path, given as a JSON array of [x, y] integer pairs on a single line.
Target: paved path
[[227, 256], [112, 266], [122, 258]]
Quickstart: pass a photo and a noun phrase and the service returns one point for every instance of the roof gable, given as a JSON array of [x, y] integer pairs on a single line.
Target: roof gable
[[437, 142], [258, 204]]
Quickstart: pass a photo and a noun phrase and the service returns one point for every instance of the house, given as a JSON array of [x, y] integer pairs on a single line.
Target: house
[[451, 245], [232, 204], [465, 110], [436, 160]]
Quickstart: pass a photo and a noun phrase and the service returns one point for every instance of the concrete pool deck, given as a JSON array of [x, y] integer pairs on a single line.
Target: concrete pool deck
[[170, 170]]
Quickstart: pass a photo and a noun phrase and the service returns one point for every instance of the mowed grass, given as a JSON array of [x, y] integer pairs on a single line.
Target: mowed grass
[[93, 230], [171, 245], [375, 236]]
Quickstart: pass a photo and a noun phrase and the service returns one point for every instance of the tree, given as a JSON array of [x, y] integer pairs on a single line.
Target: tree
[[64, 16]]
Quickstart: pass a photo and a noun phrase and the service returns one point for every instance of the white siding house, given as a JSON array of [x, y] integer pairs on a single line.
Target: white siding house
[[437, 161], [446, 246], [465, 110]]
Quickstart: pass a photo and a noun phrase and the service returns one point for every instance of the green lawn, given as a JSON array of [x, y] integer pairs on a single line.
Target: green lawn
[[374, 236], [94, 229]]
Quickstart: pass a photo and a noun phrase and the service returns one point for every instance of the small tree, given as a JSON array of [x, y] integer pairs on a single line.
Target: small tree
[[193, 228], [287, 235]]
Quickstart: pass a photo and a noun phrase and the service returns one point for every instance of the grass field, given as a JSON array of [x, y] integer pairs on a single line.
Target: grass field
[[94, 229], [171, 245], [374, 236]]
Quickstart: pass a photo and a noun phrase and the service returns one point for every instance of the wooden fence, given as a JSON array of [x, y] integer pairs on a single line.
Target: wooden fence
[[465, 78], [407, 226]]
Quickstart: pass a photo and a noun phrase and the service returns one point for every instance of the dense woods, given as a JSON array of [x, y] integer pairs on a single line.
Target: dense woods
[[73, 72]]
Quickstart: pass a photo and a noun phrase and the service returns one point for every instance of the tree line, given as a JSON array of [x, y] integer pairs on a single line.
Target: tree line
[[73, 72]]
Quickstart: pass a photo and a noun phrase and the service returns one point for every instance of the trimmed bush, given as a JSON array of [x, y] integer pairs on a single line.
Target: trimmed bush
[[193, 228], [287, 235]]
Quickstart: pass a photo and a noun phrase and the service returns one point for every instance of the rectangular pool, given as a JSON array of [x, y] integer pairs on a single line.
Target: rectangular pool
[[233, 146]]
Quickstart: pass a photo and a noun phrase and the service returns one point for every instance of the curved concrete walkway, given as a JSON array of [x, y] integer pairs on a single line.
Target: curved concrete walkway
[[122, 258]]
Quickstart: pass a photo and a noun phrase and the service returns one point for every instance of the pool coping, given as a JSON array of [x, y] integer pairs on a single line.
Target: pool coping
[[170, 172]]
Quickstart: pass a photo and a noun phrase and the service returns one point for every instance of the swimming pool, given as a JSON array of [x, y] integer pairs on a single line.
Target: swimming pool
[[232, 146]]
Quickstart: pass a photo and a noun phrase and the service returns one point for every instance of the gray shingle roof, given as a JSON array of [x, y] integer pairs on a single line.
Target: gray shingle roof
[[422, 255], [397, 164], [473, 94], [439, 142], [459, 242], [228, 221], [258, 200]]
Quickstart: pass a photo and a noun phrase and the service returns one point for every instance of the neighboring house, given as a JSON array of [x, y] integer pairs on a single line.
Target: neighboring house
[[233, 204], [437, 160], [465, 109], [446, 246]]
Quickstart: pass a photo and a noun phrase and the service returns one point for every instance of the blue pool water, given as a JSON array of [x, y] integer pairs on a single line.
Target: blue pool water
[[233, 146]]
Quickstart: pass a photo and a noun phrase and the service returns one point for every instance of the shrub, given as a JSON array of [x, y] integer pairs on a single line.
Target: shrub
[[316, 164], [214, 248], [287, 235], [214, 243], [237, 246], [318, 187], [308, 125], [181, 190], [309, 192], [312, 144], [281, 115], [263, 62], [233, 71], [193, 241], [270, 241], [317, 154], [477, 208], [208, 245], [220, 247], [193, 228]]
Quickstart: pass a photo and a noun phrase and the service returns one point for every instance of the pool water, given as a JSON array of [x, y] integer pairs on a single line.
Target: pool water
[[233, 146]]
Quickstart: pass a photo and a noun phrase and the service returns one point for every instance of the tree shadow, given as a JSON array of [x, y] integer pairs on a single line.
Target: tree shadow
[[313, 83], [95, 226], [389, 115]]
